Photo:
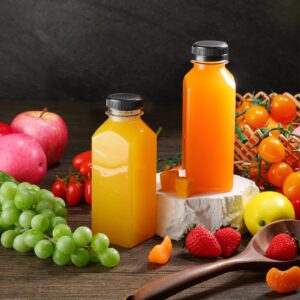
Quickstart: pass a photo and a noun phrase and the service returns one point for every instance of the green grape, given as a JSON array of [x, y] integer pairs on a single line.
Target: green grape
[[60, 210], [19, 244], [57, 220], [100, 242], [82, 236], [23, 200], [60, 259], [25, 218], [34, 195], [110, 258], [17, 225], [45, 195], [35, 187], [49, 213], [8, 204], [60, 201], [94, 256], [32, 237], [80, 257], [10, 215], [24, 186], [2, 199], [61, 230], [43, 249], [40, 222], [43, 204], [7, 238], [8, 190], [65, 245], [4, 226]]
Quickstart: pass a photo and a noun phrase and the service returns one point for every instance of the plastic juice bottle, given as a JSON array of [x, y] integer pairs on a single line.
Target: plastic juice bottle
[[124, 173], [209, 119]]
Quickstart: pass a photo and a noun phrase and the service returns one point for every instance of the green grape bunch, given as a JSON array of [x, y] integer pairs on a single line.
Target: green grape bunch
[[33, 219]]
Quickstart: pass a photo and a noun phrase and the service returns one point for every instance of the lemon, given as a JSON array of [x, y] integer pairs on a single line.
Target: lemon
[[266, 208]]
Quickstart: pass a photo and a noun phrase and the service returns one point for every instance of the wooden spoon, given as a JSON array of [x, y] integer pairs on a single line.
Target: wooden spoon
[[252, 258]]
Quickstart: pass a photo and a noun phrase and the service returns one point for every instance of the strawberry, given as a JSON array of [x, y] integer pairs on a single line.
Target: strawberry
[[229, 240], [282, 247], [201, 242]]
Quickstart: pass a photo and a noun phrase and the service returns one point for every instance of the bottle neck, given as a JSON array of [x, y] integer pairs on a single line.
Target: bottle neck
[[124, 115], [209, 65]]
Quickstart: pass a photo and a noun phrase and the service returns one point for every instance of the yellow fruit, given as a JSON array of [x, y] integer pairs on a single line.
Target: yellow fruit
[[266, 208]]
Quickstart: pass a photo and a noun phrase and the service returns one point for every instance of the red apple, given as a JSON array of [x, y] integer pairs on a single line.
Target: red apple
[[46, 127], [5, 129], [22, 157]]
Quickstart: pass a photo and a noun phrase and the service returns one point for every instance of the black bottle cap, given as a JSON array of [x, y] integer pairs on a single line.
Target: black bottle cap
[[210, 51], [124, 101]]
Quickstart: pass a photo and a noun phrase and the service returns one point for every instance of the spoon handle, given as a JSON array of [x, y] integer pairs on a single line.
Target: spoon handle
[[176, 282]]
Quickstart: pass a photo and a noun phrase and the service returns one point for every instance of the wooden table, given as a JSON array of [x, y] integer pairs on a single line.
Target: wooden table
[[27, 277]]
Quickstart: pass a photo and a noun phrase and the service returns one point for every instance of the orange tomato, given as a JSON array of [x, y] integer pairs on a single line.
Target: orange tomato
[[253, 169], [291, 186], [278, 172], [283, 109], [271, 123], [256, 116], [271, 149], [246, 104]]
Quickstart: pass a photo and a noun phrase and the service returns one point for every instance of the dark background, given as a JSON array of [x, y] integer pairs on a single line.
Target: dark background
[[85, 49]]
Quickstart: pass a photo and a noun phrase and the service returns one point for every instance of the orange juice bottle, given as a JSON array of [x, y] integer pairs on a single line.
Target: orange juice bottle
[[124, 173], [208, 119]]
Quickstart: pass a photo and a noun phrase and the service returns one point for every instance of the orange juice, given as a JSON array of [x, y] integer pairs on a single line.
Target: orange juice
[[124, 173], [208, 119]]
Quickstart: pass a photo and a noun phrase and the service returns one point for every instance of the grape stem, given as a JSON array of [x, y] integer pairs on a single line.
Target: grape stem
[[50, 239]]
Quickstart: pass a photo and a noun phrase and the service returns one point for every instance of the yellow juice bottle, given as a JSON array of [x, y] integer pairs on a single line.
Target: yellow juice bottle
[[208, 119], [124, 173]]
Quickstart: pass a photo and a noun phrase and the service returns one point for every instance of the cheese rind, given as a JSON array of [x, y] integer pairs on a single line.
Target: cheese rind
[[176, 215]]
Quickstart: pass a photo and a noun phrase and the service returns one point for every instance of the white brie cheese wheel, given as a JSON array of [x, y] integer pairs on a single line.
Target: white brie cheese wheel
[[175, 215]]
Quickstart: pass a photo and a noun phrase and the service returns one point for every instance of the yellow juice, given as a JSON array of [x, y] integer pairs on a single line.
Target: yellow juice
[[124, 180]]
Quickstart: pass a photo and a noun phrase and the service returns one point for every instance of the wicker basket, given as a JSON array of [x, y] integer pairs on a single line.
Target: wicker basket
[[244, 153]]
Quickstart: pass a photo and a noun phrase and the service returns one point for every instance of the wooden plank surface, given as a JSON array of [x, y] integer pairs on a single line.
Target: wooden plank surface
[[23, 276]]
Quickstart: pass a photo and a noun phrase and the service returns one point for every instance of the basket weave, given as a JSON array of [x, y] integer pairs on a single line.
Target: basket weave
[[245, 153]]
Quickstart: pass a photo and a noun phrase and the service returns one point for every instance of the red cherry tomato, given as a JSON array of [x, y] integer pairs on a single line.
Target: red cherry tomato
[[296, 204], [88, 191], [74, 193], [80, 158], [5, 129], [74, 177], [86, 168], [59, 188]]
